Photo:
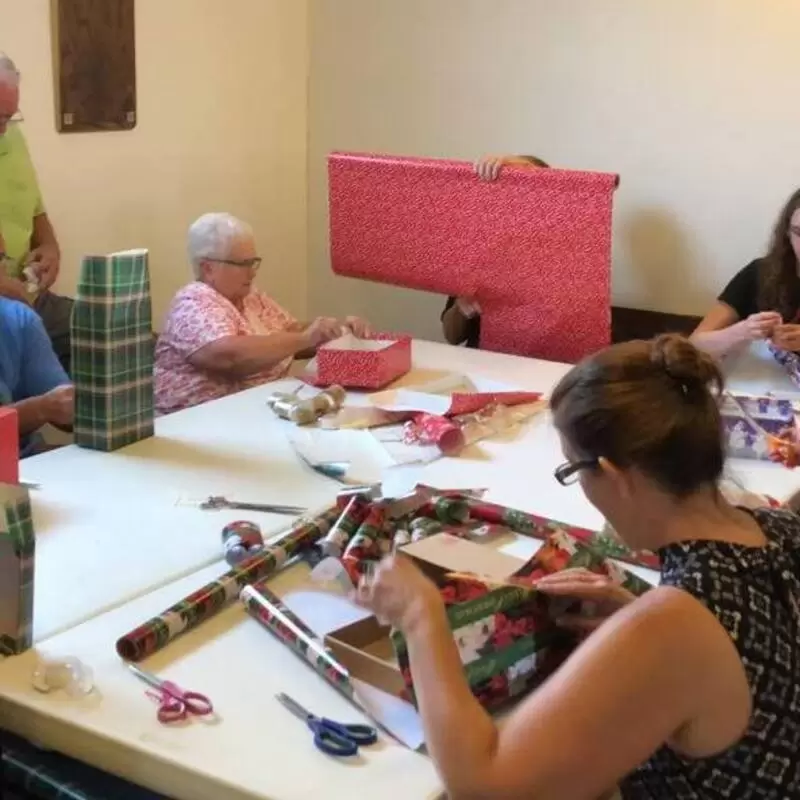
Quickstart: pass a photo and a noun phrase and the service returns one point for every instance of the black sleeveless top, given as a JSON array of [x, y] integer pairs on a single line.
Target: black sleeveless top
[[755, 595]]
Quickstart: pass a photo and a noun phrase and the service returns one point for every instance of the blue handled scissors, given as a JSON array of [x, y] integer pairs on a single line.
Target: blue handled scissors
[[333, 738]]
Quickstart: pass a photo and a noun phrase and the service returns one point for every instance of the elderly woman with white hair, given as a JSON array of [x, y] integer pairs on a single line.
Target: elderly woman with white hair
[[222, 334]]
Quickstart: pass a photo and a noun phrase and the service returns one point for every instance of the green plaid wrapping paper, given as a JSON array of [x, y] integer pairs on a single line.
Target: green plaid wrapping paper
[[26, 772], [112, 352], [17, 550]]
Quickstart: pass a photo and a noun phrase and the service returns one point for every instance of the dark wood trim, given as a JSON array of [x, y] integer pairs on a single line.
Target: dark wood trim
[[636, 323]]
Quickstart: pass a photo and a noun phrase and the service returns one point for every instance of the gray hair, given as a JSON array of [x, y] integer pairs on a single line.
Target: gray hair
[[8, 70], [212, 235]]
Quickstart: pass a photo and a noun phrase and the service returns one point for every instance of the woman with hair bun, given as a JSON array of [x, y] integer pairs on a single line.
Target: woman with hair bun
[[689, 692]]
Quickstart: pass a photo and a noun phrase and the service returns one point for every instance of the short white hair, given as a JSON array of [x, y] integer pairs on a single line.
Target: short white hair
[[212, 235], [9, 73]]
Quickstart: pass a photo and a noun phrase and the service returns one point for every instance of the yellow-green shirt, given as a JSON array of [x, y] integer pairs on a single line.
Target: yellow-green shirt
[[20, 198]]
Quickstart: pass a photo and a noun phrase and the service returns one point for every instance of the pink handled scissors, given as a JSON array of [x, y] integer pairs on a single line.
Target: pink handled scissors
[[174, 704]]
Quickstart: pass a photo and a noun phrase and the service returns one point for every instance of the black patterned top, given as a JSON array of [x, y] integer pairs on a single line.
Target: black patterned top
[[754, 592]]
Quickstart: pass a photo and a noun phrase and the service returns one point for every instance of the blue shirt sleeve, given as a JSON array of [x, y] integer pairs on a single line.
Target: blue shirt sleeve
[[41, 371]]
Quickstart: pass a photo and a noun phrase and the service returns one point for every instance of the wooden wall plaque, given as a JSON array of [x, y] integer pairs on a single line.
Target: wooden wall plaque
[[95, 65]]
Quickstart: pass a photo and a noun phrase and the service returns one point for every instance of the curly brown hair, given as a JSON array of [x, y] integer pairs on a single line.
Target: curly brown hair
[[778, 281]]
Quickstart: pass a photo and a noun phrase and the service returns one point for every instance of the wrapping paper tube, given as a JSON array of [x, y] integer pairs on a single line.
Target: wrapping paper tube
[[205, 603], [338, 537], [541, 528], [268, 609], [365, 546]]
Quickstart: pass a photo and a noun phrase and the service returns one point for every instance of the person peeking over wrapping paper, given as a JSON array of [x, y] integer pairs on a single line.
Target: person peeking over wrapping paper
[[762, 300], [222, 334], [690, 691], [461, 318]]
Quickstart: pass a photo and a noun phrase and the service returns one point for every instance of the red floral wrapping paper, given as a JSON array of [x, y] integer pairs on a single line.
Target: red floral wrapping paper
[[364, 368], [382, 229], [505, 633]]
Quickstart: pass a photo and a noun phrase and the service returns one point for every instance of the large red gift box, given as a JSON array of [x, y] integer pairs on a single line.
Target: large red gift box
[[369, 363]]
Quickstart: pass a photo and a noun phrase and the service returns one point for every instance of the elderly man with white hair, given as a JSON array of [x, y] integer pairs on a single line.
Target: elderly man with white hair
[[222, 334], [27, 239]]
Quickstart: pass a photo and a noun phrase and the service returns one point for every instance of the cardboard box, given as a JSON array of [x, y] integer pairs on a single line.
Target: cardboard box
[[17, 550], [363, 363], [9, 446], [748, 420], [508, 643]]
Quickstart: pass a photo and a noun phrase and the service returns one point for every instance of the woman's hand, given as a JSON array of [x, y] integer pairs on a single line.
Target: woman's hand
[[323, 329], [397, 592], [787, 337], [759, 326], [488, 167], [359, 327], [600, 596]]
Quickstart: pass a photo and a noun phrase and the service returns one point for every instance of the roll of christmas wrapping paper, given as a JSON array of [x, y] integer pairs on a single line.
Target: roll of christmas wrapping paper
[[450, 510], [423, 527], [433, 429], [364, 547], [334, 543], [540, 528], [205, 603], [268, 609]]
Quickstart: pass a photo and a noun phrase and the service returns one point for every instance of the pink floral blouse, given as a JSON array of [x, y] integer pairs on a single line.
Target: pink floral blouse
[[198, 316]]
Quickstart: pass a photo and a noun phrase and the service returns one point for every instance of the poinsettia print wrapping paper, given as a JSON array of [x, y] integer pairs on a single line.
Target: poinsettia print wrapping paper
[[505, 632]]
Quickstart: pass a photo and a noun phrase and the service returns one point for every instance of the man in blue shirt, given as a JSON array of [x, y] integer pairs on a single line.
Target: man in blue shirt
[[31, 378]]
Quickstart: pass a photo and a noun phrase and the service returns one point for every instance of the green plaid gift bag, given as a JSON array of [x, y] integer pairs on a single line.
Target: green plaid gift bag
[[17, 549], [112, 351]]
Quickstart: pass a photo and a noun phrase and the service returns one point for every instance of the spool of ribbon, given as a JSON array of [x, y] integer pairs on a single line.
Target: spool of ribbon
[[215, 596], [240, 540]]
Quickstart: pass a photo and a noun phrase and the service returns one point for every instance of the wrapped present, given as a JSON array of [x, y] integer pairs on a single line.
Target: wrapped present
[[789, 361], [9, 446], [17, 550], [503, 628], [112, 351], [759, 428], [363, 363]]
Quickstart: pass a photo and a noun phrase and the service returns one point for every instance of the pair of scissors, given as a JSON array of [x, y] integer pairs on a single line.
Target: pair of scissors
[[174, 704], [333, 738], [215, 503]]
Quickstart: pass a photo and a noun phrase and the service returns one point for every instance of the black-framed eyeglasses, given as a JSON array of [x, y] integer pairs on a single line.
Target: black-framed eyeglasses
[[569, 471], [245, 263]]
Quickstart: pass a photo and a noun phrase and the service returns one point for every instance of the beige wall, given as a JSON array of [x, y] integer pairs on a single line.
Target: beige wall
[[693, 102], [222, 126]]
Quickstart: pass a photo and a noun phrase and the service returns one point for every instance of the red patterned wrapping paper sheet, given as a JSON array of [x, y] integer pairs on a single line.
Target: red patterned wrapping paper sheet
[[526, 246], [9, 446]]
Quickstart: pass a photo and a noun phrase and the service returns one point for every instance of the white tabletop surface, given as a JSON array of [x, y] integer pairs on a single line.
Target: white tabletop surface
[[113, 549]]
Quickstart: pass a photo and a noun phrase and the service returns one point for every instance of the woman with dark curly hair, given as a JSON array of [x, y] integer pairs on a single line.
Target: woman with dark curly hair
[[763, 299]]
